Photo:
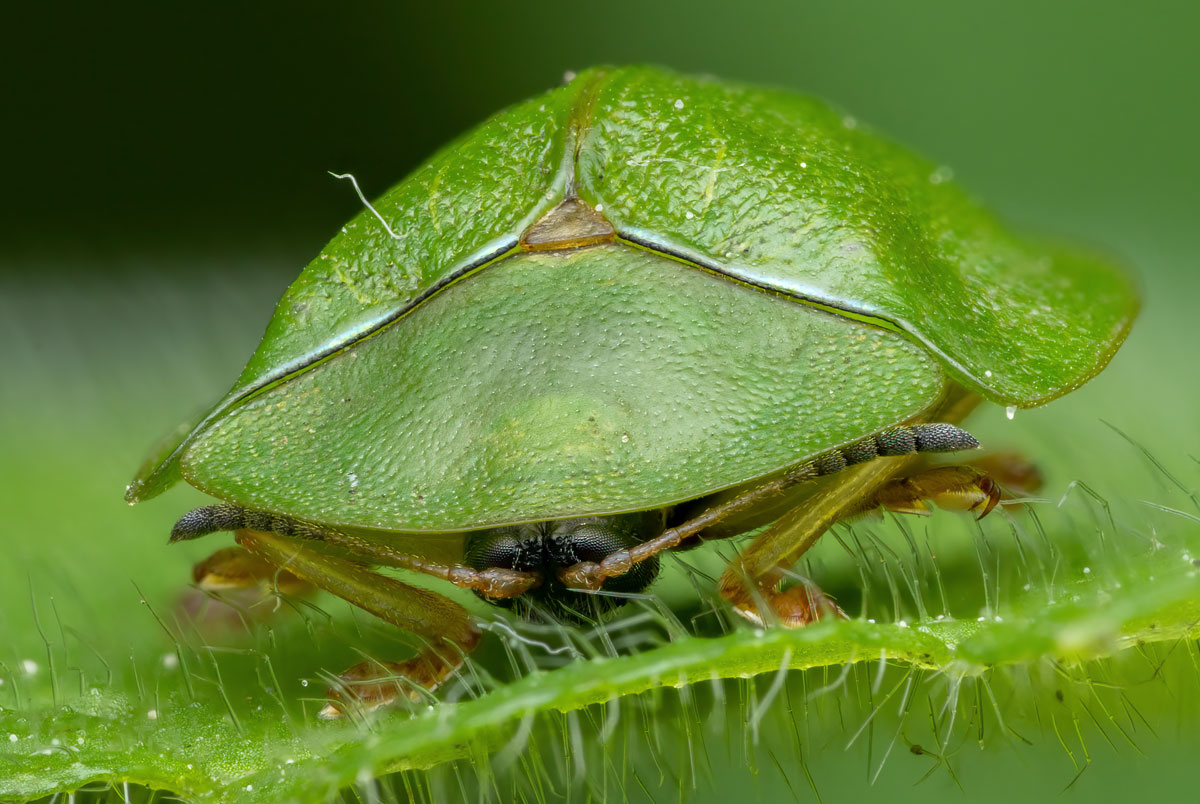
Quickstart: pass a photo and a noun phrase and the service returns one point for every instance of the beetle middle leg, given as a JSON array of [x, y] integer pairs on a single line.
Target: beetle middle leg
[[867, 472], [273, 547], [901, 442], [752, 582], [443, 624]]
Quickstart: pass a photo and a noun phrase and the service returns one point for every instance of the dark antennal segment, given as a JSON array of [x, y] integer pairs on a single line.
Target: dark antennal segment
[[893, 442], [226, 516]]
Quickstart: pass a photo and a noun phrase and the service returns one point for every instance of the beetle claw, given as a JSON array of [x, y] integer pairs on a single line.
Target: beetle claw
[[992, 489]]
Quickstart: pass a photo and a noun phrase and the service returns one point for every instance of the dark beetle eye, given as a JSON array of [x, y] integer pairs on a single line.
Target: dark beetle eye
[[573, 541], [501, 548], [593, 538], [592, 541]]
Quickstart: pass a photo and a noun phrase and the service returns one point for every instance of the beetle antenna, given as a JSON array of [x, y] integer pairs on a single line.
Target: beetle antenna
[[206, 520], [893, 442], [226, 516]]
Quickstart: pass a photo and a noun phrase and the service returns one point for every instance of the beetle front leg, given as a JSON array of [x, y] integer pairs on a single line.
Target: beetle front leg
[[752, 581], [444, 624]]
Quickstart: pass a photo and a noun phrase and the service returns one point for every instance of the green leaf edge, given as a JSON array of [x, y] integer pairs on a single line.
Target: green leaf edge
[[1072, 632]]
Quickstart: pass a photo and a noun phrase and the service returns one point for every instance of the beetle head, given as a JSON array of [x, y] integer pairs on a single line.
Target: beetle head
[[547, 547]]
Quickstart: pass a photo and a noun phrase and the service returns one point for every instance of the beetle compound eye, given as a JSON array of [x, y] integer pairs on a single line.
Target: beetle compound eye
[[501, 548], [571, 541], [593, 540]]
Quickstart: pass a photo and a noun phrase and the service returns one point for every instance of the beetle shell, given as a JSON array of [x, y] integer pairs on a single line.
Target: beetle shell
[[779, 283], [594, 381]]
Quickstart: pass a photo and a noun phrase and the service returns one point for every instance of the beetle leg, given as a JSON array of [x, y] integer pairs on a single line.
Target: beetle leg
[[793, 607], [444, 624], [495, 582], [1012, 471], [904, 440], [752, 581], [953, 488], [975, 487], [238, 568], [370, 685], [230, 587]]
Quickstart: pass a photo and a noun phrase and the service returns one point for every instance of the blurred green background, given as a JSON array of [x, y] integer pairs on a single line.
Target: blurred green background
[[166, 175]]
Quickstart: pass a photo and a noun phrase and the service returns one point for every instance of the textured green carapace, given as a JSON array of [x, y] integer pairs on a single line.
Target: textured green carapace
[[591, 381], [781, 282]]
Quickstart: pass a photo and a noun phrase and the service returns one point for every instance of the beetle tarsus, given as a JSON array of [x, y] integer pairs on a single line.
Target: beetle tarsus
[[369, 685]]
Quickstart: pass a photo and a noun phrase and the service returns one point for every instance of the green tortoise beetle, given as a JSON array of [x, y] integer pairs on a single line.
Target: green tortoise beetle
[[636, 312]]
